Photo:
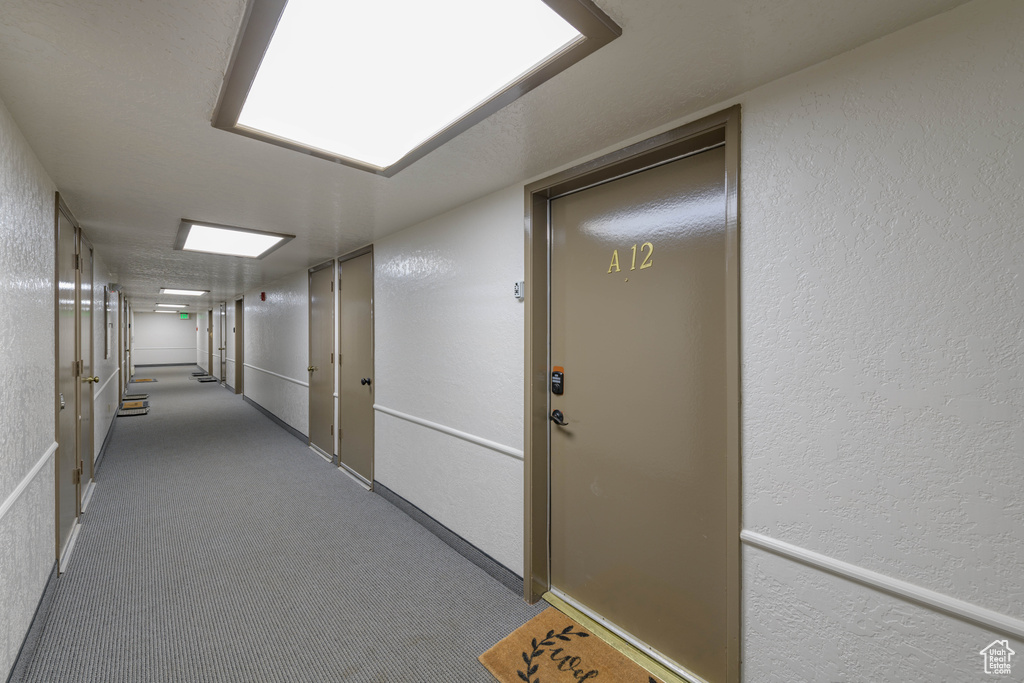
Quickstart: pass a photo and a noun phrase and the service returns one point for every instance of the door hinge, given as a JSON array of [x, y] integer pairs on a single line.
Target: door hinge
[[332, 356], [341, 433], [78, 262], [332, 430], [332, 286], [76, 476]]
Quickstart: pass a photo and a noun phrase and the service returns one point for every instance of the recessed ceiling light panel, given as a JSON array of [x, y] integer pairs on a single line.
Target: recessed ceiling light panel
[[211, 238], [171, 305], [184, 292], [377, 85]]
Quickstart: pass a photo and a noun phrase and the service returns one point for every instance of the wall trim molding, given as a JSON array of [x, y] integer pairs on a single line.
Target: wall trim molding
[[280, 423], [960, 609], [164, 348], [24, 484], [497, 570], [284, 377], [104, 385], [458, 434]]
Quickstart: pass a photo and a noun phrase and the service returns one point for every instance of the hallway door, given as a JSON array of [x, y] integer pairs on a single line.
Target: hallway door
[[321, 359], [355, 383], [643, 496], [239, 345], [223, 343], [67, 493], [84, 315], [209, 344]]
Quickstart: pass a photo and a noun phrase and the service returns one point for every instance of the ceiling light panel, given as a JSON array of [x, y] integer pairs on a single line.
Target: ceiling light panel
[[184, 292], [377, 85], [372, 80], [171, 305], [210, 238]]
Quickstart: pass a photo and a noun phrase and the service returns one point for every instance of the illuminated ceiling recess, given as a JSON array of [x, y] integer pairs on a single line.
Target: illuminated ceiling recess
[[227, 240], [378, 85]]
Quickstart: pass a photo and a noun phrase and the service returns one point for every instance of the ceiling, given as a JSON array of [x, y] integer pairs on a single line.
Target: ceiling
[[116, 97]]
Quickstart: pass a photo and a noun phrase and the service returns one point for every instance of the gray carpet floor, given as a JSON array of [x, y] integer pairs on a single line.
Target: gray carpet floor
[[219, 548]]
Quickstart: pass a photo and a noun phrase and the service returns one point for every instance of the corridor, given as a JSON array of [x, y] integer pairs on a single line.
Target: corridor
[[217, 547]]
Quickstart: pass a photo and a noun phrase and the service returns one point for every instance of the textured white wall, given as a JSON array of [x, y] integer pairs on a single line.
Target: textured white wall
[[27, 403], [449, 349], [104, 332], [162, 338], [277, 349], [883, 363]]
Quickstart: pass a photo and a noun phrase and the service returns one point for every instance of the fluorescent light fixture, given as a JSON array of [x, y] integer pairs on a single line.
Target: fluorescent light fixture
[[377, 85], [211, 238], [184, 292], [165, 311], [171, 305]]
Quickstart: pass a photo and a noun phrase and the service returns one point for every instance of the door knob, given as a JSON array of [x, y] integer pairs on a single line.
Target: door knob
[[558, 418], [366, 380], [310, 369]]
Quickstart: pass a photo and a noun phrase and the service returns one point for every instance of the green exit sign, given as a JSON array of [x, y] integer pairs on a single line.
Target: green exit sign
[[184, 316]]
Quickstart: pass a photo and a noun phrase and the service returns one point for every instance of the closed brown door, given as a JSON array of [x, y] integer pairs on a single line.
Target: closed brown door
[[239, 345], [638, 470], [87, 380], [321, 359], [67, 378], [209, 344], [223, 342], [355, 303]]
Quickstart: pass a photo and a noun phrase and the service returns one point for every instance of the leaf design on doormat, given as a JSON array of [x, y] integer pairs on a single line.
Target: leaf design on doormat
[[565, 634]]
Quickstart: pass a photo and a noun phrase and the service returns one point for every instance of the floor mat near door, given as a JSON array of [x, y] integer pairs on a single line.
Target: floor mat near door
[[552, 648], [130, 412]]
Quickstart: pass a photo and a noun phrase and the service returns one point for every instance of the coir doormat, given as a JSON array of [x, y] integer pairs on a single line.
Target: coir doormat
[[552, 648], [144, 379]]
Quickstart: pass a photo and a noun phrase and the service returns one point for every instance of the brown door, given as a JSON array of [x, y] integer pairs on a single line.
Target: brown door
[[239, 345], [209, 343], [321, 359], [638, 473], [223, 344], [67, 378], [355, 305], [86, 461]]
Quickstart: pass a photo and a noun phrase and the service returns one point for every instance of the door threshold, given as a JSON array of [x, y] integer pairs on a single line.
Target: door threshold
[[66, 555], [321, 453], [629, 645], [89, 490], [358, 478]]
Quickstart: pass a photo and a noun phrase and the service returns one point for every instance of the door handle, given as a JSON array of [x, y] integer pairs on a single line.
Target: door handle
[[90, 380], [366, 380], [558, 418], [312, 368]]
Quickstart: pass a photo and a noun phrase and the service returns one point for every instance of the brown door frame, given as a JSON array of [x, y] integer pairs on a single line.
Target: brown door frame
[[660, 149]]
